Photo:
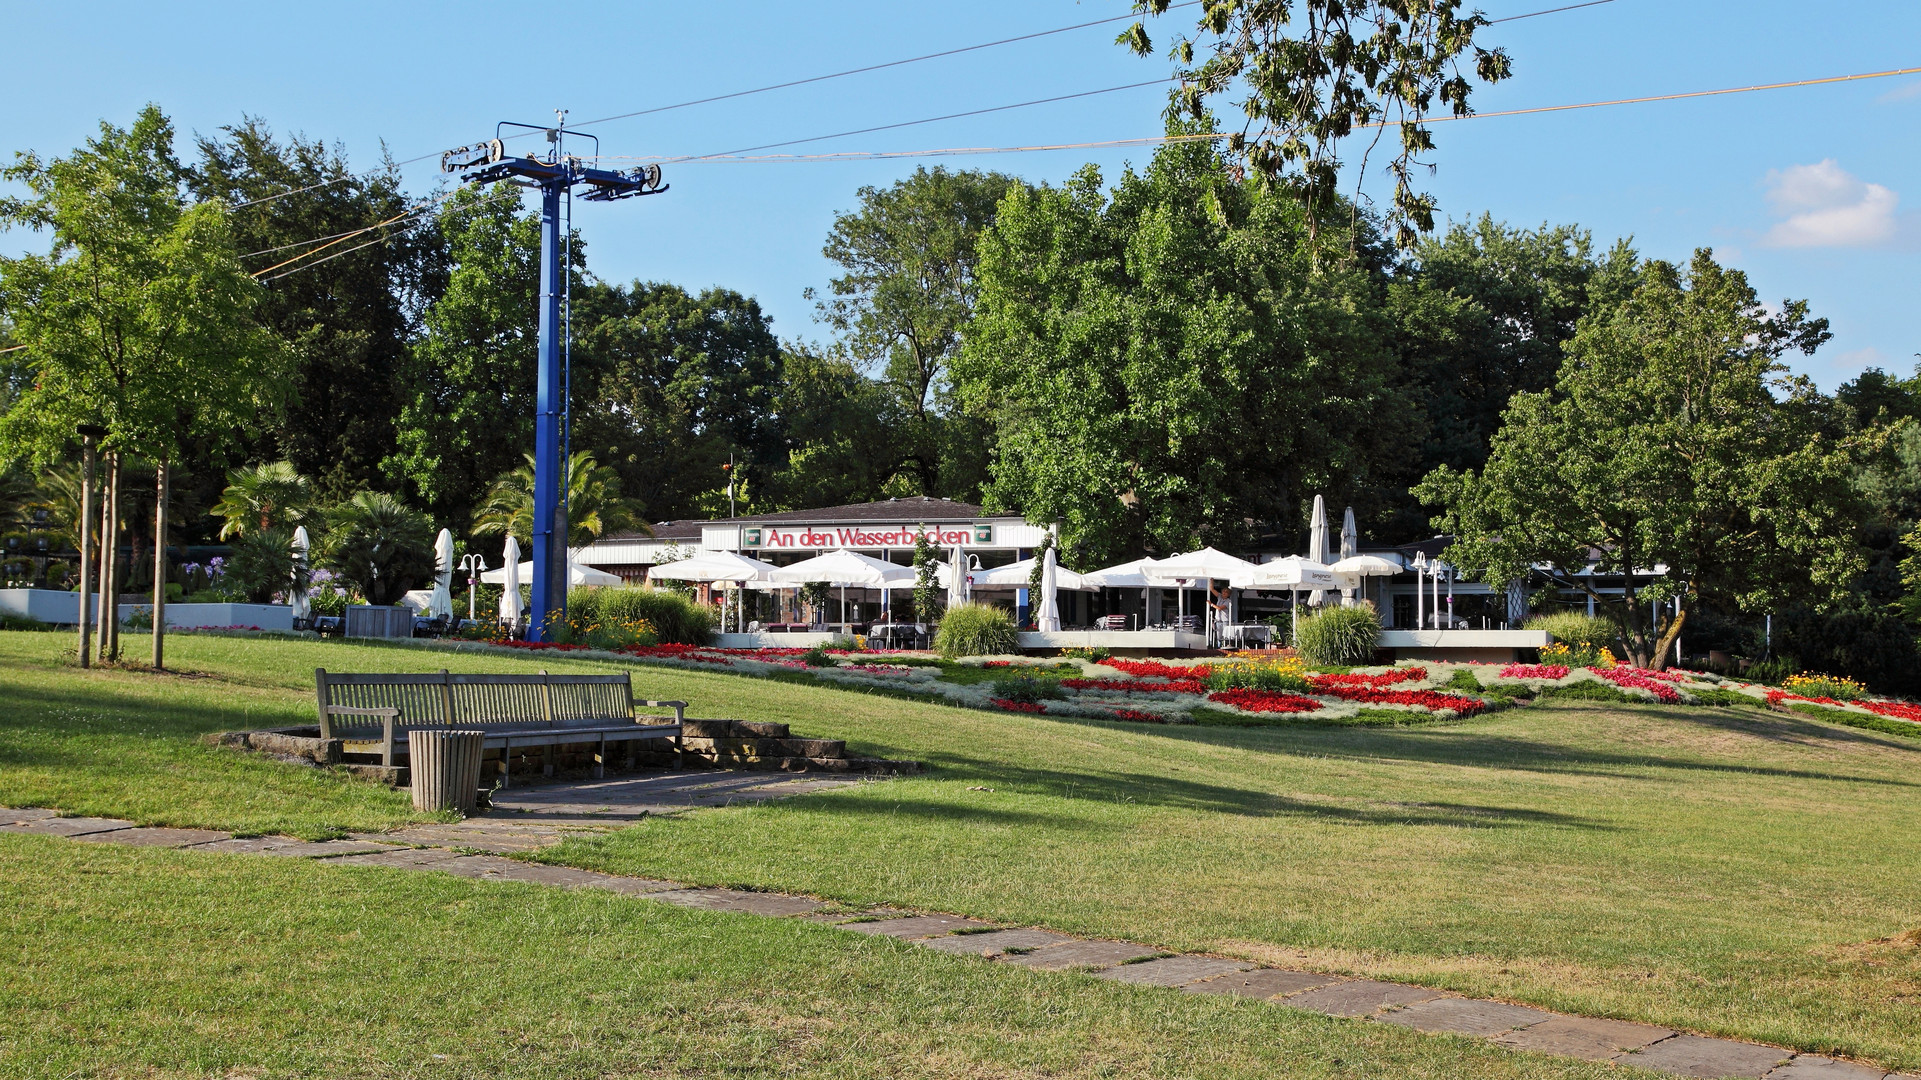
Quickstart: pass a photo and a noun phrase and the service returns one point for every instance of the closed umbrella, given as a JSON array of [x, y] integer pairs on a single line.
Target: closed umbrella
[[510, 581], [1350, 546], [441, 605], [299, 597], [1317, 541], [1048, 621], [958, 578]]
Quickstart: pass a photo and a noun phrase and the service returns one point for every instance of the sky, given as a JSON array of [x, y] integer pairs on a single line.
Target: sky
[[1814, 191]]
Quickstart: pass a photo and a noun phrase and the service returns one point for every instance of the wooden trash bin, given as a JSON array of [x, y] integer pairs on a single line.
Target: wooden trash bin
[[444, 766]]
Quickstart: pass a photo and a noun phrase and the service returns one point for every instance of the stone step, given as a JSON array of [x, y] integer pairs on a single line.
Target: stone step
[[825, 748], [733, 729]]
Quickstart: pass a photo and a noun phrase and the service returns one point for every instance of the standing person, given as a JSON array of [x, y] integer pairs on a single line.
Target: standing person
[[1217, 611]]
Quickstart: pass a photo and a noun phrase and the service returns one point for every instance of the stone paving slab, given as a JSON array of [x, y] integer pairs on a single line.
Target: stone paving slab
[[1583, 1037], [1263, 983], [1465, 1016], [1173, 971], [753, 903], [916, 926], [1707, 1059], [1080, 954], [301, 849], [1816, 1067], [403, 858], [68, 826], [992, 943], [481, 835], [633, 886], [11, 816], [1360, 997], [171, 838]]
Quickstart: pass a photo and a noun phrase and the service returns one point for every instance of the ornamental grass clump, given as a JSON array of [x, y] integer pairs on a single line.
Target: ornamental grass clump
[[676, 620], [1339, 636], [976, 630]]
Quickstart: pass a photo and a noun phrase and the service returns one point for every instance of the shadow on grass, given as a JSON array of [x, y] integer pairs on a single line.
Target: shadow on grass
[[108, 709]]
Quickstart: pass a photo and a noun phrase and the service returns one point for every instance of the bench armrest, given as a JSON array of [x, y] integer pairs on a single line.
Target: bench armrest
[[387, 717], [679, 707]]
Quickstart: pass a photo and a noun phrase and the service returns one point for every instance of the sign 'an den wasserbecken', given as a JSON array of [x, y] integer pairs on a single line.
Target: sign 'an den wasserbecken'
[[811, 537]]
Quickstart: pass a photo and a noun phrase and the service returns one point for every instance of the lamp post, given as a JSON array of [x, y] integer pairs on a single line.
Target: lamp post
[[473, 564]]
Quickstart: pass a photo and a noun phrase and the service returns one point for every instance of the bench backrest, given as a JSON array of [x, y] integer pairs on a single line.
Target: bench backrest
[[447, 700]]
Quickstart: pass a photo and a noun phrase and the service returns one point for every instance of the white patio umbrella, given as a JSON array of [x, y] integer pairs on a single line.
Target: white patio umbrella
[[716, 566], [1203, 566], [509, 574], [298, 597], [1357, 568], [842, 568], [1048, 619], [441, 604], [1293, 573], [1016, 576], [578, 574], [1317, 541], [1127, 575]]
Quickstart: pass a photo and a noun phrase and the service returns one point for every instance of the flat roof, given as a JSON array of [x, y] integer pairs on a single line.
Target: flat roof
[[911, 510]]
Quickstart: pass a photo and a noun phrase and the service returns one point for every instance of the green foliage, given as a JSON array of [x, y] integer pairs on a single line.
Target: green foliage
[[1312, 79], [1581, 640], [1464, 679], [926, 585], [594, 505], [139, 316], [1147, 355], [1674, 435], [1026, 687], [675, 618], [819, 657], [261, 564], [1586, 690], [21, 622], [467, 385], [1771, 671], [267, 496], [1874, 647], [596, 628], [1282, 677], [1730, 698], [976, 629], [669, 385], [904, 298], [379, 546], [1339, 635], [1092, 654]]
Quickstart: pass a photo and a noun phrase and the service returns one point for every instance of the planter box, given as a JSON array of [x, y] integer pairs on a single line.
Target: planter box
[[1487, 646], [54, 606], [189, 616], [367, 621]]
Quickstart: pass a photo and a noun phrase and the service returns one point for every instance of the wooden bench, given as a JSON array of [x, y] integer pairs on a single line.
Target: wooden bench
[[373, 713]]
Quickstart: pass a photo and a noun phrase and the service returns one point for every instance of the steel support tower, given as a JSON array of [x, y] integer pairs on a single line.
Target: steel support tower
[[557, 175]]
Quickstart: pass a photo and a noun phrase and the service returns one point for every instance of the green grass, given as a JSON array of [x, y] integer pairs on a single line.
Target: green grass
[[122, 962], [1731, 871]]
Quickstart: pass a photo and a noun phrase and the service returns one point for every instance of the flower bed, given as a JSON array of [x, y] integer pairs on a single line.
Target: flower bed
[[1534, 671], [1893, 710], [1385, 678], [1018, 706], [1138, 686], [1137, 716], [1264, 701], [1640, 679], [1425, 699], [1156, 669]]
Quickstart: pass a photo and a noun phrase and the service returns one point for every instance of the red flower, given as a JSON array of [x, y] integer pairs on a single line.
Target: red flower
[[1137, 715], [1139, 686], [1019, 706], [1385, 678], [1534, 671], [1265, 701], [1156, 669], [1896, 710], [1427, 699], [1640, 679]]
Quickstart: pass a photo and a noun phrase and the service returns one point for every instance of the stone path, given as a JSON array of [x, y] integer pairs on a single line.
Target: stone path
[[534, 817]]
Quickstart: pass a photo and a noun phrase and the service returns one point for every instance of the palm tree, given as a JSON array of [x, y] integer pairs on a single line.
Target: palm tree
[[594, 505], [264, 497], [379, 545]]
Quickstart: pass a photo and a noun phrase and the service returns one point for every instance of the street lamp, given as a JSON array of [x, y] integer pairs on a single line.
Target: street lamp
[[474, 564]]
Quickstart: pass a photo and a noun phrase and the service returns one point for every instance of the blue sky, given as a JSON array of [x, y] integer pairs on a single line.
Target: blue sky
[[1813, 191]]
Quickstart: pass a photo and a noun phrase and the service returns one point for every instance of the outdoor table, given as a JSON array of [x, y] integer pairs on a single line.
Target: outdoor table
[[1242, 633]]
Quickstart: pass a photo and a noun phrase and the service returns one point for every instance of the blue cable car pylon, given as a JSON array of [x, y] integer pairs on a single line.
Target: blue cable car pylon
[[556, 175]]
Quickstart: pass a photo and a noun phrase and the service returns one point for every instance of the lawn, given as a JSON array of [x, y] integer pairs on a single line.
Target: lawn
[[123, 962], [1729, 871]]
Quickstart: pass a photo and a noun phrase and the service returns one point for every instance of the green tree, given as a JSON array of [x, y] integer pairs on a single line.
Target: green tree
[[906, 293], [263, 497], [468, 383], [837, 446], [140, 317], [1317, 75], [1167, 366], [378, 545], [1673, 437], [346, 305], [594, 505], [926, 586], [670, 386]]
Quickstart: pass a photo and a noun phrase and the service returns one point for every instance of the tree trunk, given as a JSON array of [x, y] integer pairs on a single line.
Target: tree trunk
[[1668, 637], [86, 548], [160, 565], [110, 579]]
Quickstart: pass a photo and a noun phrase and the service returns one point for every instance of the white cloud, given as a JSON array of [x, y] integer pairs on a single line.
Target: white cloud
[[1902, 93], [1824, 205]]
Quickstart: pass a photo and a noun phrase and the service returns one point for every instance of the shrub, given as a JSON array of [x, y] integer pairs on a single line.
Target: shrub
[[584, 626], [1586, 690], [1463, 679], [817, 657], [1339, 635], [1026, 689], [1583, 640], [1874, 648], [976, 630], [1091, 655], [379, 546], [675, 619], [262, 565], [1824, 686]]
